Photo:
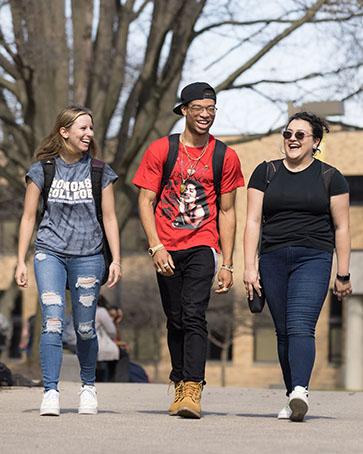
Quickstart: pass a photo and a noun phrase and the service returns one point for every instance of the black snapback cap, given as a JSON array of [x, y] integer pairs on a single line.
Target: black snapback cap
[[196, 90]]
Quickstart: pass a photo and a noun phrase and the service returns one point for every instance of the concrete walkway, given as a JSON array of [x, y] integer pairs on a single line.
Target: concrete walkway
[[133, 418]]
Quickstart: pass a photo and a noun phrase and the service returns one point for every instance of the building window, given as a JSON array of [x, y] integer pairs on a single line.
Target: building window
[[355, 183], [335, 330]]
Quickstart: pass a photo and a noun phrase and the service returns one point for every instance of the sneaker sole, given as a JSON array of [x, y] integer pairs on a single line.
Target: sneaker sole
[[283, 418], [88, 411], [50, 412], [299, 409], [187, 412]]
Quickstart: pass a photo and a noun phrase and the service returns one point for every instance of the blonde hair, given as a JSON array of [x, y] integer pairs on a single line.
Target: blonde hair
[[54, 143]]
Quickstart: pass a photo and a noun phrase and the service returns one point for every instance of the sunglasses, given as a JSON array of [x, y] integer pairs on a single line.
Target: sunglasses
[[299, 135]]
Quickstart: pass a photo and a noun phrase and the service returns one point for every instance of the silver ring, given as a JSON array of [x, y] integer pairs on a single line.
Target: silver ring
[[158, 270], [225, 289], [220, 283], [166, 265]]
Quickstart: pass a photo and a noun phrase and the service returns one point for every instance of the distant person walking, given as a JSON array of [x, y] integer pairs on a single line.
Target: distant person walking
[[183, 236], [68, 247], [304, 204]]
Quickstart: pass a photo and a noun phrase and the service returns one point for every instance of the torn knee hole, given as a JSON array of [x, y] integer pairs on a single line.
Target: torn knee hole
[[85, 330], [86, 281], [40, 256], [53, 325], [51, 298], [87, 300]]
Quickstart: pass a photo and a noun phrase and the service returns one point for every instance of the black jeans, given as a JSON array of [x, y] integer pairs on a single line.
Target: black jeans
[[185, 297]]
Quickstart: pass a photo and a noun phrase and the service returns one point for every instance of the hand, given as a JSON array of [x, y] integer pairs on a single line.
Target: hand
[[342, 289], [163, 263], [124, 345], [251, 280], [21, 275], [114, 275], [225, 281]]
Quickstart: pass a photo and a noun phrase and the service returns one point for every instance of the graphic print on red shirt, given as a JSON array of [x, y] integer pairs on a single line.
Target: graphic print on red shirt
[[188, 219]]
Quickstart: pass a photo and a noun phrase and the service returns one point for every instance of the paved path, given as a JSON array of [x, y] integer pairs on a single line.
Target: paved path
[[133, 419]]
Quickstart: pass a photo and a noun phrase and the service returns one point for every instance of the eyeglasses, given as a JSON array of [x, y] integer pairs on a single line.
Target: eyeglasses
[[195, 108], [299, 135]]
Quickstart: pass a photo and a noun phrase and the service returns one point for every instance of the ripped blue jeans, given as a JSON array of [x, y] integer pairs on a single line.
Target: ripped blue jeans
[[84, 277]]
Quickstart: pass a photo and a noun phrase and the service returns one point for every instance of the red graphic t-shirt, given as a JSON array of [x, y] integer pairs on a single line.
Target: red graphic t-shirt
[[187, 218]]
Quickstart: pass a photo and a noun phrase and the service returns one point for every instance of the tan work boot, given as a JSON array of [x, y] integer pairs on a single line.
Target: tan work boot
[[189, 407], [178, 395]]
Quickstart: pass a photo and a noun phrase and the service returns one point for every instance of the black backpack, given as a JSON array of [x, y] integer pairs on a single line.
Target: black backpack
[[96, 180], [217, 165]]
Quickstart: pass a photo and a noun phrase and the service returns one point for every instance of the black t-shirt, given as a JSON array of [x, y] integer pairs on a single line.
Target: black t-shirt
[[296, 207]]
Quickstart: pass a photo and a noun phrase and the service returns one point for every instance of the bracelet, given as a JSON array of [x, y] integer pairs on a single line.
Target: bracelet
[[228, 268], [344, 278], [115, 263]]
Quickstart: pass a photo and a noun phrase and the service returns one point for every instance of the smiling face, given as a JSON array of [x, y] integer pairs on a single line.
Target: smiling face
[[300, 150], [80, 134], [200, 115]]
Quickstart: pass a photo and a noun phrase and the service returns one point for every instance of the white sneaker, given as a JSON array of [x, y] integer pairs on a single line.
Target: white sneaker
[[88, 404], [285, 413], [50, 404], [299, 404]]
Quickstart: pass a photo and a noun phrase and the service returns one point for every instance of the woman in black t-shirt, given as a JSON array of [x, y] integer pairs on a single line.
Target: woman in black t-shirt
[[305, 216]]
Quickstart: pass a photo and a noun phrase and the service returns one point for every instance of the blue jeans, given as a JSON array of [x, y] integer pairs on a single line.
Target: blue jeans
[[296, 281], [84, 276]]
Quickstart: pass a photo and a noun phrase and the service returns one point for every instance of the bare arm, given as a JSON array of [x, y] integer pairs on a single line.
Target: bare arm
[[112, 233], [251, 240], [227, 232], [26, 232], [147, 217], [339, 208]]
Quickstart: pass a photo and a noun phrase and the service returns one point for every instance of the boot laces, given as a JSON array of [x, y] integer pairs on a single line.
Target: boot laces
[[178, 390], [193, 390]]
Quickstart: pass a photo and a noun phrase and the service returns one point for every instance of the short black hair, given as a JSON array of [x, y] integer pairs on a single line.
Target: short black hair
[[318, 125]]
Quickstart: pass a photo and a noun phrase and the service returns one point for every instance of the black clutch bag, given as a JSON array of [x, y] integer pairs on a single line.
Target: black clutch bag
[[257, 303]]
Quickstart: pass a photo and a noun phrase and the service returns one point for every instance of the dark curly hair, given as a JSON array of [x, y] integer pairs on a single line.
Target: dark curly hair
[[318, 125]]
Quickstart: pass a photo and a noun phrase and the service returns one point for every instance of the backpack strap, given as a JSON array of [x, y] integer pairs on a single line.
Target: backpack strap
[[96, 179], [219, 153], [169, 163], [271, 169], [49, 172], [327, 172]]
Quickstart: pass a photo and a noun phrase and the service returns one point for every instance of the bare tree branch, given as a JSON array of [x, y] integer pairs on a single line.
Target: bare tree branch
[[295, 25]]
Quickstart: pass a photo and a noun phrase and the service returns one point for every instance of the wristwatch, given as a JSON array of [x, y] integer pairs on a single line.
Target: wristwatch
[[154, 249], [344, 278]]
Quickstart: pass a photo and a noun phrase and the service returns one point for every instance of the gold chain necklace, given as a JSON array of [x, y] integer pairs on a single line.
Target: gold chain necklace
[[192, 165]]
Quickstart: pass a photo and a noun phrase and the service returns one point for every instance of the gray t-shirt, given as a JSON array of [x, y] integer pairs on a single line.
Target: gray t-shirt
[[70, 226]]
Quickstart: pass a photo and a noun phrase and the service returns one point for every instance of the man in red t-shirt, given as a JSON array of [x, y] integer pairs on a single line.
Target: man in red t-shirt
[[183, 237]]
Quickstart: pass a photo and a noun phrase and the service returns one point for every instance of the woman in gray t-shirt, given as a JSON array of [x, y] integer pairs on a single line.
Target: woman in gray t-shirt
[[68, 248]]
